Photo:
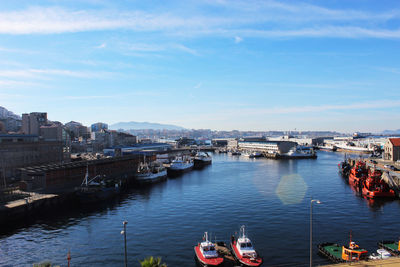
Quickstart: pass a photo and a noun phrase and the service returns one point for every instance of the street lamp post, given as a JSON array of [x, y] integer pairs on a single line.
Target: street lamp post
[[311, 202], [123, 232]]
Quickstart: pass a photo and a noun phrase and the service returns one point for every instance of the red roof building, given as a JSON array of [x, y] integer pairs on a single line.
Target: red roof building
[[392, 149]]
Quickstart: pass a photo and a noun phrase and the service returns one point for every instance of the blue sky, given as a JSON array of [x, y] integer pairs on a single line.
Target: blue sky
[[215, 64]]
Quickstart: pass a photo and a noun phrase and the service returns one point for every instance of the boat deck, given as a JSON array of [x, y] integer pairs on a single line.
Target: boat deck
[[334, 250]]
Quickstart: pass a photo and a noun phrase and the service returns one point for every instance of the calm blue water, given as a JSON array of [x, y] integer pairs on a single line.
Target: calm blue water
[[270, 197]]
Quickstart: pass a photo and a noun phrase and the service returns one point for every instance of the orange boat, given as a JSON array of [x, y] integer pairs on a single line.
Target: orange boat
[[358, 173], [374, 186]]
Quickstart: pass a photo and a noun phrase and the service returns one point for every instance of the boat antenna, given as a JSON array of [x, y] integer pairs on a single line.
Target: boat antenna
[[85, 181], [350, 238]]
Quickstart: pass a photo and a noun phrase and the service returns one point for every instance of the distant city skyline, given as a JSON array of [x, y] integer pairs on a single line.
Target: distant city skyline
[[220, 65]]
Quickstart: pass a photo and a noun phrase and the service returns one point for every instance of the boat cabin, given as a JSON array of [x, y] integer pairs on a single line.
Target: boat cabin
[[208, 249], [353, 253], [245, 248]]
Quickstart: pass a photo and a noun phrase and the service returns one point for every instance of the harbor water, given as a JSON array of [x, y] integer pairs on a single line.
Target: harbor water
[[271, 197]]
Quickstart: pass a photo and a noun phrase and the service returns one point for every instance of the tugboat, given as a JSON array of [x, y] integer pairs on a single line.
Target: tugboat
[[358, 173], [243, 250], [352, 252], [179, 165], [202, 159], [206, 254], [392, 246], [374, 186]]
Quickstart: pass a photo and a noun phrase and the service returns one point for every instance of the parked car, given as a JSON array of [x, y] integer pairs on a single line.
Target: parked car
[[386, 166], [373, 161]]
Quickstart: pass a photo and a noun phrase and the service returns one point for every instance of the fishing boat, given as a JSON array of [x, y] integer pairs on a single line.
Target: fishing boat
[[253, 154], [244, 251], [392, 246], [202, 159], [358, 173], [179, 166], [337, 253], [206, 253], [97, 188], [148, 174], [374, 186]]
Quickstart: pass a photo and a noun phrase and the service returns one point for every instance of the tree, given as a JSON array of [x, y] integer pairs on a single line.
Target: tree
[[152, 262]]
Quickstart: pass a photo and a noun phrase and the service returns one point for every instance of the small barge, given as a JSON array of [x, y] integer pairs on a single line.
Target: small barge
[[392, 246], [337, 253]]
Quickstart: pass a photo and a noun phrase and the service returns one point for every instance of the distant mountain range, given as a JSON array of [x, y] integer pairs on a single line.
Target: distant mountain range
[[389, 132], [133, 125]]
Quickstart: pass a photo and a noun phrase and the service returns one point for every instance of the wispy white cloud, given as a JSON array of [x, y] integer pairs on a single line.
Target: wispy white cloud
[[101, 46], [265, 19], [197, 86], [238, 39], [379, 104], [151, 48], [46, 73]]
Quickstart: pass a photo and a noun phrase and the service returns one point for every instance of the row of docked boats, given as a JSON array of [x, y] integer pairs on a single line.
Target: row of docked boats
[[352, 252], [101, 187], [368, 181], [214, 254]]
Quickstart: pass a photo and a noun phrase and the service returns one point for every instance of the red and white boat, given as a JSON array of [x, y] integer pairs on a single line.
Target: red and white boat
[[206, 253], [243, 250]]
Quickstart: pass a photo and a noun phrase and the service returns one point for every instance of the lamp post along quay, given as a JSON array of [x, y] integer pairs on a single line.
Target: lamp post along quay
[[123, 232], [311, 203]]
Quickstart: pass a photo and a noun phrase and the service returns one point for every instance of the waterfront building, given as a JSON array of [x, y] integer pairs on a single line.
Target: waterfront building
[[137, 149], [18, 150], [66, 176], [392, 149], [269, 147], [32, 122], [99, 126]]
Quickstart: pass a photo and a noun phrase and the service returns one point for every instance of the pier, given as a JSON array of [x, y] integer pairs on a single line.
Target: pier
[[391, 262]]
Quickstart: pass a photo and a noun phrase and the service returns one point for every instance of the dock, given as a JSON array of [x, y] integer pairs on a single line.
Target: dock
[[391, 262]]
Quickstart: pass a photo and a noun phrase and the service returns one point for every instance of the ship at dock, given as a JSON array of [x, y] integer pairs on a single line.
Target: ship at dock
[[179, 166], [97, 189], [201, 159]]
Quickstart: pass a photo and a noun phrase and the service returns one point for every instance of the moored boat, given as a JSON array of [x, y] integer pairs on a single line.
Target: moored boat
[[358, 173], [296, 153], [150, 174], [392, 246], [374, 186], [179, 166], [97, 188], [202, 159], [206, 253], [344, 167], [244, 251], [337, 253]]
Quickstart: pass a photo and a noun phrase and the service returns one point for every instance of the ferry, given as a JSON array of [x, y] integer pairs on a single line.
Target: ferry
[[206, 253], [392, 246], [337, 253], [374, 186], [244, 251], [358, 173]]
